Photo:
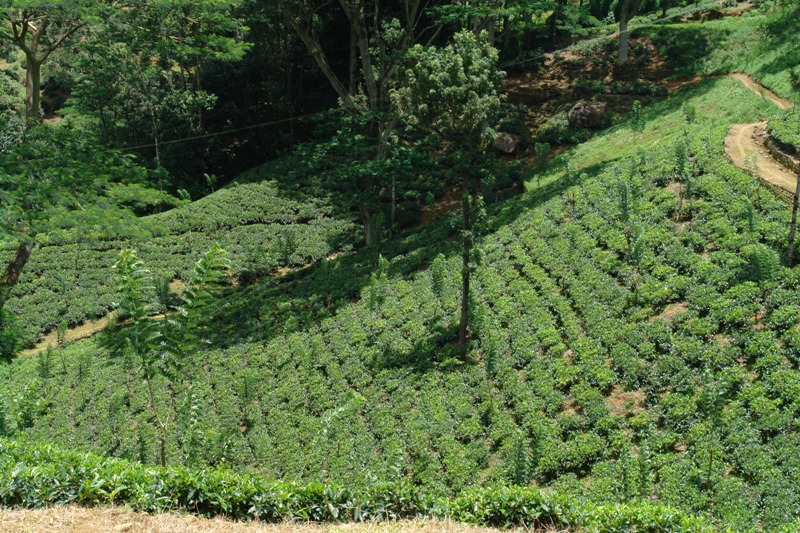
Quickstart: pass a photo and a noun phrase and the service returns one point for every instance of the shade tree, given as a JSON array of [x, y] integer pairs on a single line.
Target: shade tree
[[452, 94]]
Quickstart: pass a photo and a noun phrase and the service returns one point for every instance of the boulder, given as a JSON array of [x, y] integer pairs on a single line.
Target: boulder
[[590, 115], [508, 143]]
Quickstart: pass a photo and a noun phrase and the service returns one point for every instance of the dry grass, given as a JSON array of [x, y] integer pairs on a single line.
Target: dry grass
[[622, 403], [72, 519], [73, 334], [671, 310]]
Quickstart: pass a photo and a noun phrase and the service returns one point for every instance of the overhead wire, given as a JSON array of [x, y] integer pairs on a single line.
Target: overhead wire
[[218, 133], [318, 113]]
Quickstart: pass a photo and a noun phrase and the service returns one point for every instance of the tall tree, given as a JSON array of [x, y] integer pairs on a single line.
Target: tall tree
[[141, 77], [38, 28], [627, 10], [379, 36], [453, 93]]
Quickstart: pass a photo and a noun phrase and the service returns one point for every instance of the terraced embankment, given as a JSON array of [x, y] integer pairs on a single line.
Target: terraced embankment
[[745, 143]]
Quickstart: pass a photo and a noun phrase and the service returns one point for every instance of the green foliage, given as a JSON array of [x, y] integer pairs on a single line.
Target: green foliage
[[210, 275], [143, 339], [628, 358], [69, 278], [541, 150], [453, 91], [10, 336], [438, 277], [764, 262], [36, 476], [557, 130], [786, 128], [59, 177], [378, 285], [689, 112], [637, 117]]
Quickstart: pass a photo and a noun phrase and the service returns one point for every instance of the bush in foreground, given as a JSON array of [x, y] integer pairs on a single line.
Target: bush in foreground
[[40, 475]]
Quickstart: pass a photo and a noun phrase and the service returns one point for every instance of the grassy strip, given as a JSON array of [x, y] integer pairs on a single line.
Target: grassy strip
[[761, 44], [33, 475]]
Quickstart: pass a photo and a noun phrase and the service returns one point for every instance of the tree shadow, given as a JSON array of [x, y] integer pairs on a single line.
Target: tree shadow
[[301, 300], [782, 32], [685, 47]]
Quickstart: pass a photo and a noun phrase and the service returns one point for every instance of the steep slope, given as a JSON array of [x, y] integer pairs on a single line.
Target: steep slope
[[68, 279], [635, 337]]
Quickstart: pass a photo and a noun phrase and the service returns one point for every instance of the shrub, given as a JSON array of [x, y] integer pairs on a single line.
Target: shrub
[[10, 335], [558, 131], [40, 475]]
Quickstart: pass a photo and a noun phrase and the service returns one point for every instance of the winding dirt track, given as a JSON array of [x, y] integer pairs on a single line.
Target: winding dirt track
[[745, 146]]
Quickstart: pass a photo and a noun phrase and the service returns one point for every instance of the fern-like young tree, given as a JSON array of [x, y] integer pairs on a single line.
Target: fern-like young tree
[[156, 347]]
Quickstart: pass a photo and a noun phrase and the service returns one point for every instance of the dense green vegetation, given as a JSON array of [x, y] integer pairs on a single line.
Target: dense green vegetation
[[572, 378], [39, 475], [617, 349], [760, 45], [786, 128], [69, 279]]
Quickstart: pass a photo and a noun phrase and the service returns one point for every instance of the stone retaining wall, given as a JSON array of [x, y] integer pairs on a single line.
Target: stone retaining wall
[[782, 153]]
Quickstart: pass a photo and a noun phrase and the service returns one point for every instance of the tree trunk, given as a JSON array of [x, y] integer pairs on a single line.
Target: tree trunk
[[793, 227], [33, 88], [626, 13], [353, 62], [554, 22], [465, 267], [369, 226], [622, 57], [318, 55], [13, 270]]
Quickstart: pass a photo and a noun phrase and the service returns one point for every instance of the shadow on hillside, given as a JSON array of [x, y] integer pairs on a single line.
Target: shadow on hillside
[[783, 32], [301, 300], [685, 47]]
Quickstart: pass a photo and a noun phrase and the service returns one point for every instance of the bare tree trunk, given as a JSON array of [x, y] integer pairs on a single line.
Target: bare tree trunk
[[793, 227], [13, 270], [353, 62], [318, 55], [622, 57], [554, 22], [33, 89], [465, 267], [369, 225]]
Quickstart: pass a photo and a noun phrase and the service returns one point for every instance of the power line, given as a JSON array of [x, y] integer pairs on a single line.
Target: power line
[[283, 121], [218, 133]]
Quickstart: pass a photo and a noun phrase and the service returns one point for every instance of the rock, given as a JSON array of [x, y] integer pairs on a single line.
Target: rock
[[508, 143], [590, 115]]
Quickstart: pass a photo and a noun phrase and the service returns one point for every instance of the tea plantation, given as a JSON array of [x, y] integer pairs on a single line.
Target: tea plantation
[[634, 349], [68, 279]]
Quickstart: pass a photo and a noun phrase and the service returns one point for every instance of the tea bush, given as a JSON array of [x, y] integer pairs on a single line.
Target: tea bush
[[36, 476]]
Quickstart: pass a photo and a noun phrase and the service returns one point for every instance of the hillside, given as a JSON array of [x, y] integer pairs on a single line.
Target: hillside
[[69, 277], [634, 337], [589, 372]]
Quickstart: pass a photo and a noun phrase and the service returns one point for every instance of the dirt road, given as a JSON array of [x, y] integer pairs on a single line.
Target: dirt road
[[745, 143]]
